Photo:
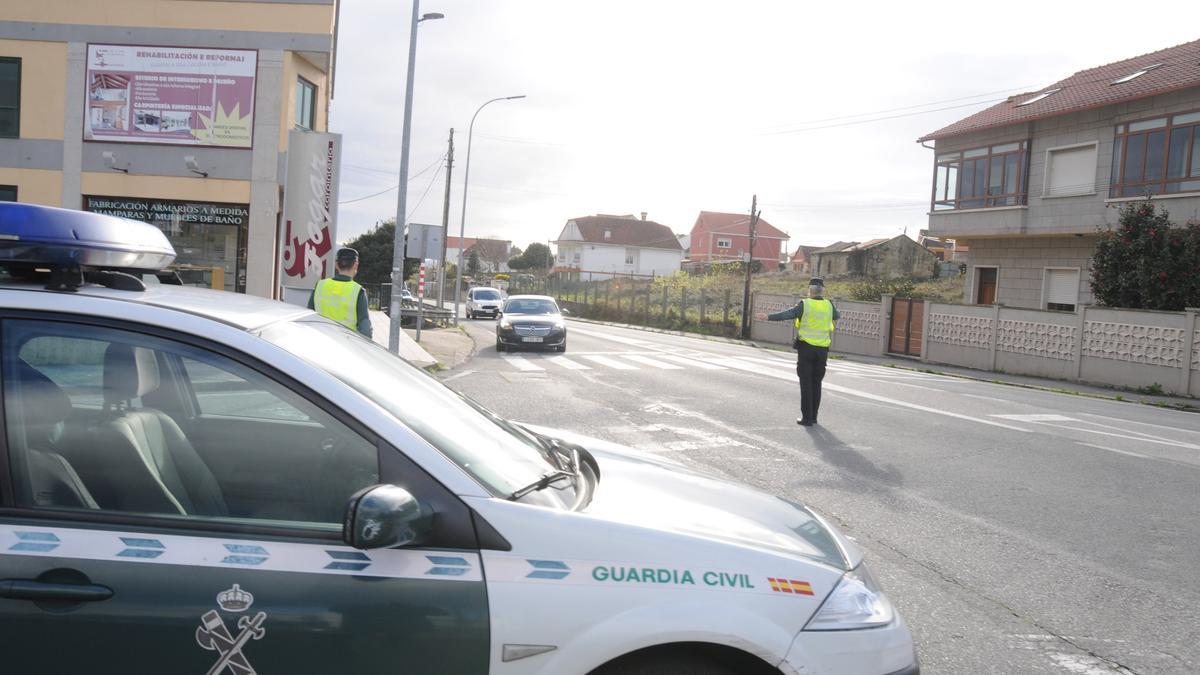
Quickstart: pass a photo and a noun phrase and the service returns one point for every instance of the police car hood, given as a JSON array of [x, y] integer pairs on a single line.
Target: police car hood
[[642, 489]]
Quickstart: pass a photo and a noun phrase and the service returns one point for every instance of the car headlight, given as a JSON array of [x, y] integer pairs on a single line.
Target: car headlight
[[559, 325], [857, 602], [505, 323]]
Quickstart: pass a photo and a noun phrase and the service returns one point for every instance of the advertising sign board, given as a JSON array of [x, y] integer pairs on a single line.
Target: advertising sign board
[[176, 95]]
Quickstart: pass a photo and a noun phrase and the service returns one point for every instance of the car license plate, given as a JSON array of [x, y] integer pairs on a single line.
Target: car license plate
[[532, 339]]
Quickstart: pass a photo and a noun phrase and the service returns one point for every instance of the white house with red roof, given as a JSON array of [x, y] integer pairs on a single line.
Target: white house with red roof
[[725, 237], [605, 246], [1028, 182]]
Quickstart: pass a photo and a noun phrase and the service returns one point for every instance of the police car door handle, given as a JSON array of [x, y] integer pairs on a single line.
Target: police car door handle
[[27, 589]]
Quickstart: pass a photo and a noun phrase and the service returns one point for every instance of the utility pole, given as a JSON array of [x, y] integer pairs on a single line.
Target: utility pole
[[445, 225], [754, 213]]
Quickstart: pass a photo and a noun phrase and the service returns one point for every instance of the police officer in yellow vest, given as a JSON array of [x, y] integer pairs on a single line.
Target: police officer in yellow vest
[[342, 298], [814, 318]]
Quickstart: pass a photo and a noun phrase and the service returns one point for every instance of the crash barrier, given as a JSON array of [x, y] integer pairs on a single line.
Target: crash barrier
[[663, 302], [1151, 351]]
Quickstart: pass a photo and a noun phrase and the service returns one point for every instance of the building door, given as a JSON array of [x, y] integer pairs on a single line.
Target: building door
[[908, 326], [985, 285]]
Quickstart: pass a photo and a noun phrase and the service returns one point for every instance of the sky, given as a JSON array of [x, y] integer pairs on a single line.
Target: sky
[[673, 108]]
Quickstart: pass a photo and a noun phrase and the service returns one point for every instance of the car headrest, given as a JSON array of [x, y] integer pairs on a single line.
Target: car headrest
[[129, 372], [41, 402]]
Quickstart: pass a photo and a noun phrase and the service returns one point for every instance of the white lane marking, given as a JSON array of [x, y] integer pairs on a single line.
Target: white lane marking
[[567, 363], [781, 375], [458, 375], [608, 336], [1144, 424], [1144, 439], [689, 361], [914, 406], [1048, 420], [1119, 452], [611, 363], [520, 363], [655, 363], [1037, 418], [1118, 428]]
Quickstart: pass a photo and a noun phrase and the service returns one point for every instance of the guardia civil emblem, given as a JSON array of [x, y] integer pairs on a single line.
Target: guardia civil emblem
[[214, 635]]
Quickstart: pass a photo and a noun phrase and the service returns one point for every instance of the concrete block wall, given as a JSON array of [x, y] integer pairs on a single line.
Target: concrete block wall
[[1098, 345]]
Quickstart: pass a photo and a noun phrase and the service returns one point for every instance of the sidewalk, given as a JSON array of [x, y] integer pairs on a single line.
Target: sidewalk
[[1045, 384], [409, 350]]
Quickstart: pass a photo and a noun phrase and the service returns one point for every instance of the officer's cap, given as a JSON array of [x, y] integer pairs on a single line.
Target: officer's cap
[[816, 281]]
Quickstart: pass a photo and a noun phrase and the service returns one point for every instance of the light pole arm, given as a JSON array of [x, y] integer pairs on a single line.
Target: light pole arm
[[462, 221]]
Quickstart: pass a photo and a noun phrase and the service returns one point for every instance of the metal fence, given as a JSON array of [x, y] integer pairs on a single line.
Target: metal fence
[[666, 302]]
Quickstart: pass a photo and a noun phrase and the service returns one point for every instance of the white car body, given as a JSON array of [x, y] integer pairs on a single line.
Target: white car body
[[703, 551], [477, 306]]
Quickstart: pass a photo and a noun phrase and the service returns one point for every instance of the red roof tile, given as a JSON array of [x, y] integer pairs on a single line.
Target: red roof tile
[[627, 231], [735, 223], [1092, 88]]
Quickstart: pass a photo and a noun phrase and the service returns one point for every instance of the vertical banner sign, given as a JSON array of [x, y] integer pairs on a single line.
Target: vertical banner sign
[[309, 212], [175, 95]]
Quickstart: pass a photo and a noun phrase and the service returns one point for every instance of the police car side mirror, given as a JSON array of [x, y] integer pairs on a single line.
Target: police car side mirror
[[382, 516]]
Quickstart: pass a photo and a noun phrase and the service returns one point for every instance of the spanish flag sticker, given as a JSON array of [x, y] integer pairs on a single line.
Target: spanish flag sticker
[[790, 586]]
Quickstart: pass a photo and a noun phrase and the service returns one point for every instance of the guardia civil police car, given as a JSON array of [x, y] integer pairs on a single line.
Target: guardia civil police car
[[195, 481]]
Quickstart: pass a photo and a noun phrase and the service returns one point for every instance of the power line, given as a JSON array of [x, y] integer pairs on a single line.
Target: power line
[[423, 194], [1073, 85], [437, 162]]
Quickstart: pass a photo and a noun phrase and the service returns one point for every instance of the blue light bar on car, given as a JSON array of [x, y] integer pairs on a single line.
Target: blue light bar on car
[[44, 235]]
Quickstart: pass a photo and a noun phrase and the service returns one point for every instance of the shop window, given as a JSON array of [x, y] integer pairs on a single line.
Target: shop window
[[306, 101], [8, 193], [10, 97]]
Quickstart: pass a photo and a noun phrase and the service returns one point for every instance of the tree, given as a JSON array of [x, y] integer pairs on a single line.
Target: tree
[[538, 257], [473, 264], [1145, 263], [375, 255]]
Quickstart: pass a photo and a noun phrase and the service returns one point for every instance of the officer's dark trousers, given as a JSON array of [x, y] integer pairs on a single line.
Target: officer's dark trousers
[[810, 367]]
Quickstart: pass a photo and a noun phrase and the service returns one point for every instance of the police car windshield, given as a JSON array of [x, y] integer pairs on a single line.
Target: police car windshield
[[487, 295], [499, 455]]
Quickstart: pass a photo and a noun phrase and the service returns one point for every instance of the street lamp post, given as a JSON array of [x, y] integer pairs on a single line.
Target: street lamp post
[[462, 222], [402, 196]]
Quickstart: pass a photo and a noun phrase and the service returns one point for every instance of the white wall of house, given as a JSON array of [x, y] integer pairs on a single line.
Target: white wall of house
[[602, 261]]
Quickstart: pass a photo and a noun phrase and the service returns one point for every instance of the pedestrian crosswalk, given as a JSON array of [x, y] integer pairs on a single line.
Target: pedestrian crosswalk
[[777, 366]]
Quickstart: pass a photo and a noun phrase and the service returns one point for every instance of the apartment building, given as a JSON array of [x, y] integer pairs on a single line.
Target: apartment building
[[1029, 182]]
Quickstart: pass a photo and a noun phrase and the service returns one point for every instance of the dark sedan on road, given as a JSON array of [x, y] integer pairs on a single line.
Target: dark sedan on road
[[531, 321]]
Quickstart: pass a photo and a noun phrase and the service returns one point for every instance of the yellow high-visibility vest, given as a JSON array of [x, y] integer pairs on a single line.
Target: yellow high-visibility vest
[[338, 300], [815, 325]]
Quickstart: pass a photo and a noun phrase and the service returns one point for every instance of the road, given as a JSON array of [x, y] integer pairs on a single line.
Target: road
[[1017, 530]]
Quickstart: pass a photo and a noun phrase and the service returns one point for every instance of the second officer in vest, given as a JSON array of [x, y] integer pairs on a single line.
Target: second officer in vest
[[341, 298], [814, 317]]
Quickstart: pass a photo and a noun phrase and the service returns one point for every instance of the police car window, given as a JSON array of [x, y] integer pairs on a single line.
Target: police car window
[[109, 420], [220, 393], [487, 295], [498, 456], [76, 365]]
